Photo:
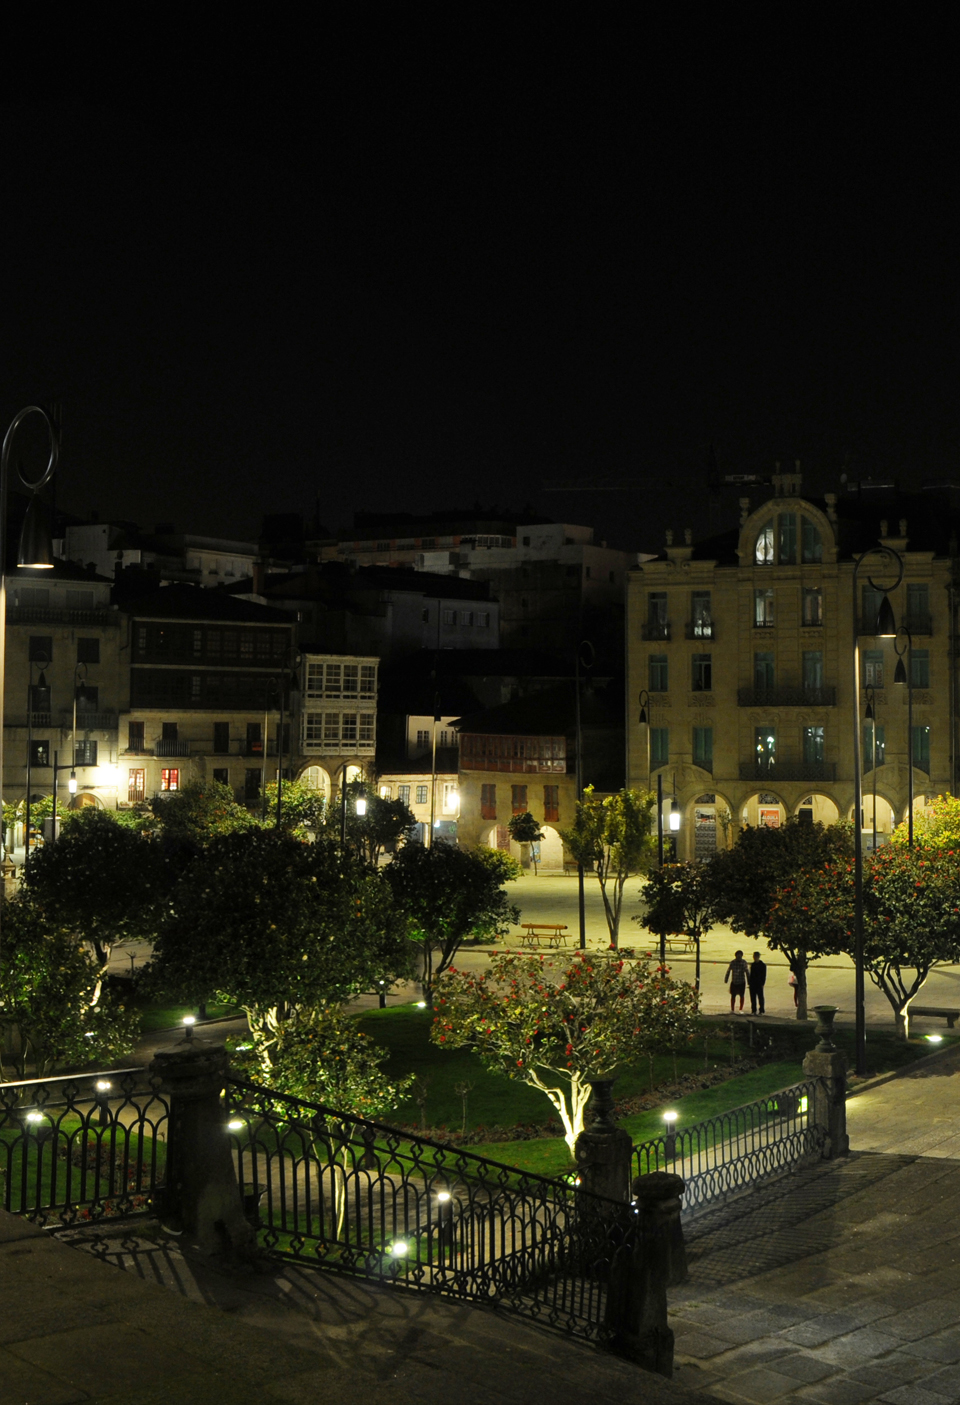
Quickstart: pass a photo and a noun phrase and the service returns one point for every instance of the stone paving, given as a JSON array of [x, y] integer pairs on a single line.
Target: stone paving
[[840, 1286]]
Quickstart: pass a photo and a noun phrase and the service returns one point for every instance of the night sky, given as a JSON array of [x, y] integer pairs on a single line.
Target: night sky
[[453, 256]]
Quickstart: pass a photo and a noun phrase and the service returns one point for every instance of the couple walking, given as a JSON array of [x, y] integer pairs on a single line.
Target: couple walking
[[740, 975]]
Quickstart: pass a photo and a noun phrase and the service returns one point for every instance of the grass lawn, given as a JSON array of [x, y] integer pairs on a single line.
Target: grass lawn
[[154, 1016], [496, 1101]]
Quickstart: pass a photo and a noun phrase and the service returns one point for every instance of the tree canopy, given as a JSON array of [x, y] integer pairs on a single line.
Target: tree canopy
[[680, 900], [447, 895]]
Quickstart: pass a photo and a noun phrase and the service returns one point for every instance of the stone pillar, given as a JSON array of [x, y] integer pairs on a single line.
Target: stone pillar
[[657, 1196], [637, 1296], [200, 1199], [826, 1067], [604, 1151]]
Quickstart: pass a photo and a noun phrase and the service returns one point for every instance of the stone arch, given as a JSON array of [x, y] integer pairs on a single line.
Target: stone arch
[[818, 808], [315, 777], [763, 807], [767, 514], [886, 816]]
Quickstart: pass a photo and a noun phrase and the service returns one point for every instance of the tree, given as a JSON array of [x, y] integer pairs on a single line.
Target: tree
[[384, 824], [938, 827], [524, 829], [746, 878], [557, 1027], [100, 880], [55, 1010], [680, 900], [303, 810], [810, 915], [612, 837], [200, 810], [277, 926], [447, 895]]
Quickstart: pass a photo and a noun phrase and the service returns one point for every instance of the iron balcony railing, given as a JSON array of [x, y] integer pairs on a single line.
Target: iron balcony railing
[[788, 770], [96, 721], [85, 1147], [737, 1149], [655, 629], [170, 748], [29, 614], [700, 629], [787, 697], [370, 1200]]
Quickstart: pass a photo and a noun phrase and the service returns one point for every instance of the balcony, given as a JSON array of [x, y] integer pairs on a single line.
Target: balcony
[[171, 748], [29, 614], [655, 629], [787, 697], [95, 721], [772, 771], [700, 629]]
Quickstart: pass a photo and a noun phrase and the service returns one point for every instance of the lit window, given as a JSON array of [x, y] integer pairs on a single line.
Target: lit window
[[421, 795], [169, 780], [136, 789]]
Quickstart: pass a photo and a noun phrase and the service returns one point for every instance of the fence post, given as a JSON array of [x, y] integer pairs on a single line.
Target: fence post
[[604, 1151], [826, 1067], [200, 1198], [640, 1279]]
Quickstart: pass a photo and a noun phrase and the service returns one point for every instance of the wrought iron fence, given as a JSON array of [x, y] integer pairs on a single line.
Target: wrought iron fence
[[366, 1199], [85, 1147], [737, 1149]]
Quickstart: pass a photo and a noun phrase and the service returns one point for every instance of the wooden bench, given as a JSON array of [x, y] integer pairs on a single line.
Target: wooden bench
[[934, 1012], [553, 933], [677, 943]]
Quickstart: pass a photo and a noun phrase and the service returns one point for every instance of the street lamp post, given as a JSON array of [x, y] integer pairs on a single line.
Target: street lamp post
[[904, 676], [884, 628], [79, 677], [586, 661], [36, 549], [871, 717], [41, 683]]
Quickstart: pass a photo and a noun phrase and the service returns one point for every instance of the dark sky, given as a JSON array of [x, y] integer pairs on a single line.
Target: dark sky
[[464, 256]]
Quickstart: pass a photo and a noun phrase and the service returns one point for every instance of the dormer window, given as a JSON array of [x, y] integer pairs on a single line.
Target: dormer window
[[764, 553], [778, 540]]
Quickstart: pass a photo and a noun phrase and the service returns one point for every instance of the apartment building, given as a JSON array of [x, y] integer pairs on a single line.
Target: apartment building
[[741, 662]]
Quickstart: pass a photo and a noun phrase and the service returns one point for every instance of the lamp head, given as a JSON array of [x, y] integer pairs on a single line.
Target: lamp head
[[42, 680], [869, 712], [900, 674], [36, 545], [675, 816], [361, 805], [886, 622], [643, 717], [72, 783]]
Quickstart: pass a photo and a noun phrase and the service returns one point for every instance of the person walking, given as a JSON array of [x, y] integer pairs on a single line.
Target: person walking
[[737, 976], [756, 980]]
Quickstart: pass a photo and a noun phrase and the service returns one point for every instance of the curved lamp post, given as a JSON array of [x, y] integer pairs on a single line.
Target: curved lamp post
[[585, 659], [36, 548], [871, 716], [885, 627], [904, 677]]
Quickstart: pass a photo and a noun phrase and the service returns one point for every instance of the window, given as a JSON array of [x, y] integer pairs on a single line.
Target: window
[[421, 795], [332, 677], [79, 599], [197, 642], [386, 792], [658, 673], [788, 538], [657, 614], [254, 739], [403, 794], [221, 775], [247, 638], [921, 748], [383, 546], [134, 736], [765, 747], [39, 753], [551, 802], [368, 680], [812, 606], [88, 698], [423, 738], [701, 615], [85, 754], [812, 670], [348, 727], [251, 784], [34, 597], [518, 799], [136, 786], [763, 672], [41, 648], [483, 619], [367, 726], [702, 673], [169, 779], [868, 745], [450, 798], [918, 607], [812, 543], [169, 731], [813, 746], [873, 668], [659, 746], [488, 802], [40, 700], [763, 554], [331, 726], [703, 747], [449, 616], [920, 668], [351, 680], [763, 608], [88, 651]]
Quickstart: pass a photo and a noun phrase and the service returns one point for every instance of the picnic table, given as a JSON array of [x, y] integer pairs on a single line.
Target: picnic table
[[534, 933]]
